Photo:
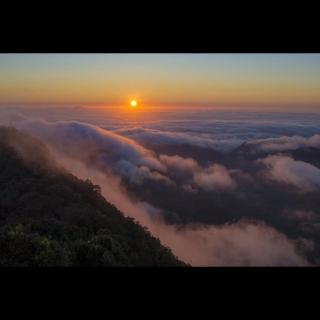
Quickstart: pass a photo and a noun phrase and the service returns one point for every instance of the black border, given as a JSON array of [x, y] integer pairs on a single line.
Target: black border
[[164, 30], [151, 291]]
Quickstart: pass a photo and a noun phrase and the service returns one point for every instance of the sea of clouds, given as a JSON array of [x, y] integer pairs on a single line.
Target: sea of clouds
[[109, 151]]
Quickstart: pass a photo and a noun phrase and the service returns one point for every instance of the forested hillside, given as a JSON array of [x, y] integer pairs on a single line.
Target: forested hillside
[[49, 217]]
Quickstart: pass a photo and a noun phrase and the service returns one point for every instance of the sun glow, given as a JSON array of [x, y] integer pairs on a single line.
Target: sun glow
[[133, 103]]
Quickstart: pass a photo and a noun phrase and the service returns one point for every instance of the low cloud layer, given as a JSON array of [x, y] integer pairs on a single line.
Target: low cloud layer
[[286, 143], [149, 136], [109, 159], [283, 169], [125, 156], [212, 177], [240, 244]]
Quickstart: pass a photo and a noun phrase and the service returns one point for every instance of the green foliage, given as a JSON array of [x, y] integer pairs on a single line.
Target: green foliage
[[49, 217]]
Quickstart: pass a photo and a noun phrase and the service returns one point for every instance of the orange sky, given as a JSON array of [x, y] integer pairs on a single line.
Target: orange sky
[[161, 79]]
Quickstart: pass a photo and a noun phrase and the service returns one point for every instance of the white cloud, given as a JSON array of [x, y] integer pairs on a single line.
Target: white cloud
[[214, 177], [124, 156], [286, 143], [151, 136], [302, 175]]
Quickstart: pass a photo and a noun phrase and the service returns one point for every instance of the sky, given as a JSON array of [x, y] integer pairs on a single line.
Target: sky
[[291, 81]]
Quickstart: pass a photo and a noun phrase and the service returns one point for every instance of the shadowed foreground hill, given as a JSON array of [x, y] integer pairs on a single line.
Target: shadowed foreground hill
[[49, 217]]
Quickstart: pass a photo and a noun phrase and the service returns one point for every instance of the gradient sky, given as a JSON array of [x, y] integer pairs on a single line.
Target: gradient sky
[[292, 80]]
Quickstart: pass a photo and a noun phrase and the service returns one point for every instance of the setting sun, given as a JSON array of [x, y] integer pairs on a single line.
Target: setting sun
[[133, 103]]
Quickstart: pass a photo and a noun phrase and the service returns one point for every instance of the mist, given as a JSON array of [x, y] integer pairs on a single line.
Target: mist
[[104, 158], [238, 244]]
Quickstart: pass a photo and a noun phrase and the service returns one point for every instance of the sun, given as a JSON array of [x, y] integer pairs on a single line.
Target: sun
[[133, 103]]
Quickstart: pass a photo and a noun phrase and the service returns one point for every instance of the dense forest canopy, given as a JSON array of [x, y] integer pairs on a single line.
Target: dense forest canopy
[[49, 217]]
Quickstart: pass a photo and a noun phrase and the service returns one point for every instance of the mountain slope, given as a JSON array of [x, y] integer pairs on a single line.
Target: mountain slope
[[49, 217]]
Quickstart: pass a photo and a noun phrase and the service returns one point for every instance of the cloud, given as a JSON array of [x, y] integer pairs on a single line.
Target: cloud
[[307, 221], [284, 169], [98, 146], [86, 138], [221, 130], [151, 136], [180, 169], [107, 159], [139, 174], [286, 143], [303, 215], [11, 117], [124, 156], [185, 165], [239, 244], [214, 177], [211, 178]]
